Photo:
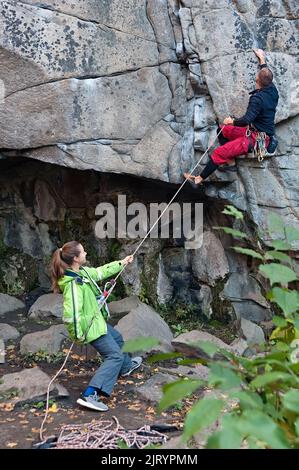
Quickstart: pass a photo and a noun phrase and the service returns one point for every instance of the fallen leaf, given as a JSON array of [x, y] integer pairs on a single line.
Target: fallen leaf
[[134, 407], [24, 421], [77, 357], [53, 409], [150, 410], [7, 406], [34, 430], [11, 444]]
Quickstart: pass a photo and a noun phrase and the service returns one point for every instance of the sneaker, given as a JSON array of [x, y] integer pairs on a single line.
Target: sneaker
[[272, 147], [136, 362], [92, 402]]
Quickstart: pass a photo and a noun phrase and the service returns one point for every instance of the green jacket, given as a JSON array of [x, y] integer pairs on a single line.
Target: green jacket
[[82, 316]]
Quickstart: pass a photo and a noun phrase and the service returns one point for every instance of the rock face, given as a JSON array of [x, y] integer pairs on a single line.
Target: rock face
[[144, 321], [10, 304], [152, 389], [8, 332], [48, 305], [48, 341], [187, 343], [135, 89], [209, 268]]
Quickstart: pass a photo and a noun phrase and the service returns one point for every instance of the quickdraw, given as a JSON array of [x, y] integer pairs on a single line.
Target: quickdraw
[[259, 150], [101, 299]]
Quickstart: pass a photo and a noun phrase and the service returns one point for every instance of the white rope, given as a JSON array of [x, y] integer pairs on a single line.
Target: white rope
[[48, 391], [170, 202], [120, 272]]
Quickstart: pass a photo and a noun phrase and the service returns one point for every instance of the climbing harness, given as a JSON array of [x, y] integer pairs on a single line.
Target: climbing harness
[[108, 290]]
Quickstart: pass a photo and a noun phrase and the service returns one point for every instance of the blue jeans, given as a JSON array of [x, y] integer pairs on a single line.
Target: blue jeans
[[115, 361]]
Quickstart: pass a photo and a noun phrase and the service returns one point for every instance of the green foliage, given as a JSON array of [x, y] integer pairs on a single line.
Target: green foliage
[[201, 415], [179, 329], [260, 408], [247, 251], [278, 273], [9, 394], [44, 356], [231, 210], [262, 393], [287, 300], [174, 391], [143, 296], [140, 344], [39, 405], [231, 231], [163, 357]]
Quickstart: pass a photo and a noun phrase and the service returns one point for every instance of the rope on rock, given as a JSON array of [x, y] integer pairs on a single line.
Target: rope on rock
[[119, 274]]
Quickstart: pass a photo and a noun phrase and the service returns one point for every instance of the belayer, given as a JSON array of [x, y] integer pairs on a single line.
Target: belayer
[[253, 131], [86, 318]]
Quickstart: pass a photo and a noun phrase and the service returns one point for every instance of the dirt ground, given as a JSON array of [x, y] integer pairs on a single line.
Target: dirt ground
[[19, 427]]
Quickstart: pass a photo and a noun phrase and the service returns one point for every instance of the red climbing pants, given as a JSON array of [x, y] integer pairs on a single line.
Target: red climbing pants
[[237, 146]]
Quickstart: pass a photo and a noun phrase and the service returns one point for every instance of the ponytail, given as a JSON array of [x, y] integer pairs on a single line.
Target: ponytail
[[62, 259]]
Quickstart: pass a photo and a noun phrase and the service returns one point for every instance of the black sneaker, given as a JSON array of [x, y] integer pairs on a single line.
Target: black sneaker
[[92, 402], [136, 362], [272, 147]]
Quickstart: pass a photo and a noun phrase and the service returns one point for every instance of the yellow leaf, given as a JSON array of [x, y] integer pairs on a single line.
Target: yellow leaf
[[77, 357], [34, 429], [53, 408]]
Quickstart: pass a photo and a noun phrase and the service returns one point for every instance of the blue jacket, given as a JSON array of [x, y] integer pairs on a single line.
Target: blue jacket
[[261, 110]]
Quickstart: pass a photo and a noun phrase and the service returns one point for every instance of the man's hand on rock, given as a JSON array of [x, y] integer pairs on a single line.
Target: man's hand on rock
[[260, 55]]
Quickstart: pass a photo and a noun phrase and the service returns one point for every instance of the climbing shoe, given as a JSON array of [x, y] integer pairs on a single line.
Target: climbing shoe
[[271, 149], [92, 402], [191, 180], [136, 362]]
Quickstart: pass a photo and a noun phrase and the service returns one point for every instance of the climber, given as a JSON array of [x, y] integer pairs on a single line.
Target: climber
[[239, 136], [86, 320]]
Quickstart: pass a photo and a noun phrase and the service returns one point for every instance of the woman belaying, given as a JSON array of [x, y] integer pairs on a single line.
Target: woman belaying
[[86, 321]]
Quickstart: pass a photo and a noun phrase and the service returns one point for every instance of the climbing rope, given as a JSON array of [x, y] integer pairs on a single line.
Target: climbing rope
[[106, 434], [104, 298]]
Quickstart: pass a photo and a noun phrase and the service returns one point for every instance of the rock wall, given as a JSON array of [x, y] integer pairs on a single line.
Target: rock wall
[[135, 88]]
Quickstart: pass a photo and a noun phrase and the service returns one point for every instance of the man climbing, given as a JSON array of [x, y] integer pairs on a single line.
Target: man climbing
[[238, 136]]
